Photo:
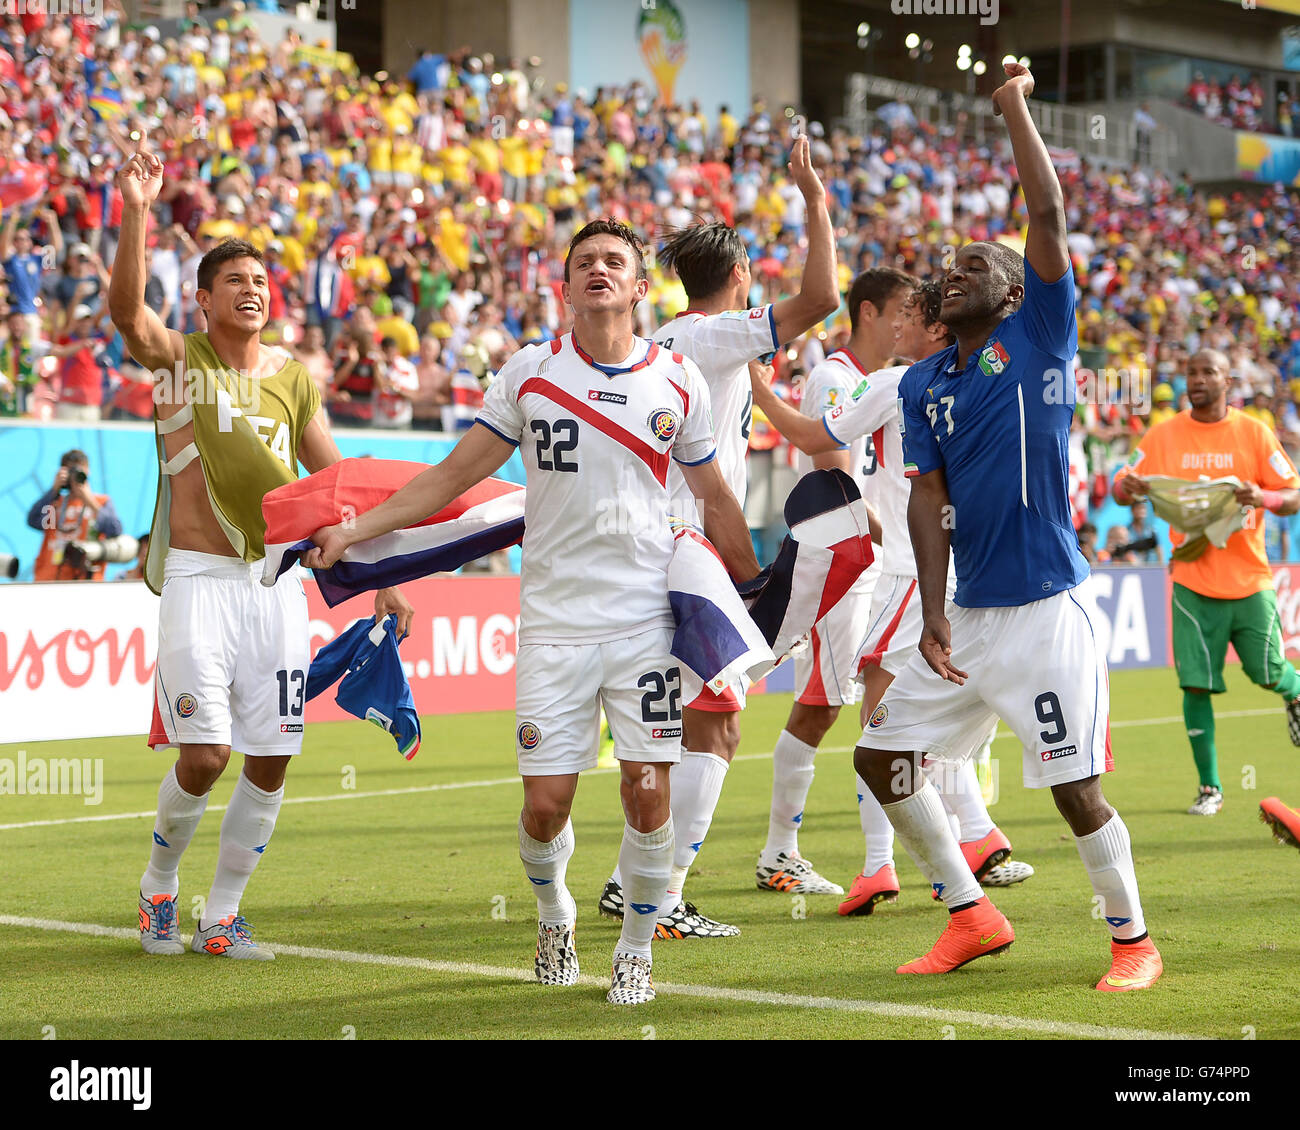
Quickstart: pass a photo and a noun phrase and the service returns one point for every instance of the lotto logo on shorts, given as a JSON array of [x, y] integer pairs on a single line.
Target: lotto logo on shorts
[[878, 716], [1064, 751], [186, 705], [291, 727], [528, 736], [668, 732], [607, 397], [663, 424]]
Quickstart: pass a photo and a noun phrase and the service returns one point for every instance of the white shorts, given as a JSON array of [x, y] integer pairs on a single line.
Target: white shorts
[[894, 629], [825, 671], [232, 657], [1039, 666], [560, 688]]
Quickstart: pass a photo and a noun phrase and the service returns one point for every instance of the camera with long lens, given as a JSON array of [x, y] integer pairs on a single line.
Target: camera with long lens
[[1142, 545], [83, 556], [76, 475]]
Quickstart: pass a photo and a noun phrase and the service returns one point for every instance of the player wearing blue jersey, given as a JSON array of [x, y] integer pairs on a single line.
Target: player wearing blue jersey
[[985, 425]]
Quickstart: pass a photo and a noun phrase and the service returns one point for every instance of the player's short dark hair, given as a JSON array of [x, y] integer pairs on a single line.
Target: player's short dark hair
[[223, 252], [877, 286], [607, 226], [1007, 263], [703, 256], [927, 299]]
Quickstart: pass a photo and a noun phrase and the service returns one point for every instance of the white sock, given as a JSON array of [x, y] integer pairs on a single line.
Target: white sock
[[792, 777], [545, 865], [696, 786], [245, 831], [179, 814], [876, 830], [922, 825], [1107, 855], [964, 799], [644, 859], [617, 876]]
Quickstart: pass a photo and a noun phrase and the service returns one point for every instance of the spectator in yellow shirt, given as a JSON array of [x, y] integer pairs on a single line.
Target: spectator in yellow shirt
[[728, 128], [1163, 398], [1259, 408], [401, 331], [455, 159]]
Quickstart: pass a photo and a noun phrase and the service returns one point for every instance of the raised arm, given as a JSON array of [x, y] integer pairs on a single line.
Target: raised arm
[[473, 459], [1045, 246], [723, 520], [819, 293], [150, 342], [56, 232], [7, 234]]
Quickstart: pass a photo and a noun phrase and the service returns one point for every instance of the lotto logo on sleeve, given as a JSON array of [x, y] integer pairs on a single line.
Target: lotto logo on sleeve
[[186, 705], [879, 716], [758, 312], [1063, 751], [837, 411], [528, 736], [663, 424]]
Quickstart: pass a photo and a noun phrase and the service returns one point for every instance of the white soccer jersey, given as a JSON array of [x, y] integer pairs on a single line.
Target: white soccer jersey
[[597, 442], [873, 412], [723, 345], [828, 386]]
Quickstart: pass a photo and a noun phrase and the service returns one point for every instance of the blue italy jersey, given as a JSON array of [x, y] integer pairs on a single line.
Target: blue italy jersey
[[1000, 428]]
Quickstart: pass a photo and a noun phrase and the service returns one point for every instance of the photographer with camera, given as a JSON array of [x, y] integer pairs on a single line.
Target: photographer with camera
[[82, 530]]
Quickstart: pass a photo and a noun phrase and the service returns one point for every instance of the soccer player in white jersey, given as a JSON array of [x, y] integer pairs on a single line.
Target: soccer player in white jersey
[[986, 443], [721, 336], [598, 416], [232, 654], [893, 627], [824, 671]]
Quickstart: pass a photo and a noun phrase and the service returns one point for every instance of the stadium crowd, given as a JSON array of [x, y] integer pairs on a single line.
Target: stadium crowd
[[414, 226]]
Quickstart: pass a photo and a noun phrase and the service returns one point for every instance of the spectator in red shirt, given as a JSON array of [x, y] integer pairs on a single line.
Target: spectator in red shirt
[[81, 380], [358, 360]]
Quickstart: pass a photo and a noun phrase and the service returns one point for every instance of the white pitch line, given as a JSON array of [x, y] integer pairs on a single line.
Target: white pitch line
[[414, 789], [707, 992]]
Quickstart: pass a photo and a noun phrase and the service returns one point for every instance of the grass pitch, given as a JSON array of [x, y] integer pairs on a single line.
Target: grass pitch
[[421, 897]]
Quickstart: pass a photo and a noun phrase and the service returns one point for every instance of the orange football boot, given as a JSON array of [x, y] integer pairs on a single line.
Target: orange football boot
[[1284, 821], [984, 855], [867, 890], [1135, 966], [977, 931]]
